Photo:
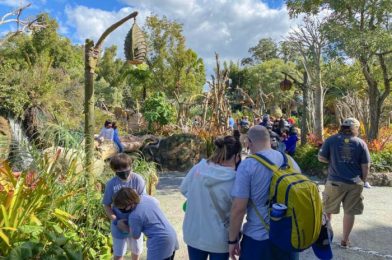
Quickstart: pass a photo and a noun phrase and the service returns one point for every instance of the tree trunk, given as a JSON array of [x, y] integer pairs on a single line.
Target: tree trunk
[[318, 107], [90, 64], [375, 112], [305, 110]]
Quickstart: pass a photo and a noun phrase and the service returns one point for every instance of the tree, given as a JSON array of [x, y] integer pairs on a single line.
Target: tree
[[362, 30], [175, 69], [310, 41], [266, 49], [23, 25]]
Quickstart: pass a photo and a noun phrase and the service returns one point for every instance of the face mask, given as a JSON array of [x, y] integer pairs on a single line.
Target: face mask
[[124, 174], [126, 210]]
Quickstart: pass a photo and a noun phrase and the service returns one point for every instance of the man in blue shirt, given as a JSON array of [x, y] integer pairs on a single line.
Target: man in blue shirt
[[252, 183], [349, 162]]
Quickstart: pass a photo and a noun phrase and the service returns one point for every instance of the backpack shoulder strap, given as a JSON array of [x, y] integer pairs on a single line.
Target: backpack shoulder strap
[[264, 161], [287, 162]]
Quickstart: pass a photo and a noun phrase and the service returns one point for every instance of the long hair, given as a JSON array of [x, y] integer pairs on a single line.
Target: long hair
[[225, 148]]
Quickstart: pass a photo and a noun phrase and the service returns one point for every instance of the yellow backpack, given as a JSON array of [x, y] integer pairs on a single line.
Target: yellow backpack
[[300, 226]]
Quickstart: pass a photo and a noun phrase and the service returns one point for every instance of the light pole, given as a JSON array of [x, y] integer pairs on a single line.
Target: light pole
[[137, 48]]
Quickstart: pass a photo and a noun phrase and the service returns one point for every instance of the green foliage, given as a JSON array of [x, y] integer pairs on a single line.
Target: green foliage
[[157, 109], [266, 49], [149, 172], [306, 157], [381, 161], [41, 69], [176, 70]]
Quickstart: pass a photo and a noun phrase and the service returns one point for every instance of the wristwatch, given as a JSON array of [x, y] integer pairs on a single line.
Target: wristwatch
[[232, 242]]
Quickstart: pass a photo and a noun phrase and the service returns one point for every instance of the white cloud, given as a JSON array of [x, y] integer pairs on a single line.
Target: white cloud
[[13, 3], [229, 27]]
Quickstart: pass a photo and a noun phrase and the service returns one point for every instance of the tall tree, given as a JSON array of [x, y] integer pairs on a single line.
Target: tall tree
[[362, 30], [175, 69], [266, 49], [310, 41]]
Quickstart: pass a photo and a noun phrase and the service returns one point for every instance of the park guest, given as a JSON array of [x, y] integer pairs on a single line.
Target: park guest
[[349, 163], [252, 182], [106, 132], [207, 187], [121, 165], [146, 217], [291, 141], [244, 127], [116, 138]]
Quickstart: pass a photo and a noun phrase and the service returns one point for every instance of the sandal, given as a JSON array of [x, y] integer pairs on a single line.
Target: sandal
[[345, 244]]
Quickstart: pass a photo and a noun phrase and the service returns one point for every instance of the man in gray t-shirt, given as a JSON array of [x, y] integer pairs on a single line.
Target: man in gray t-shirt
[[349, 161]]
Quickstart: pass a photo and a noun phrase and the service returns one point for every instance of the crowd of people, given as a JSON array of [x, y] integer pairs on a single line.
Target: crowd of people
[[223, 190], [283, 132]]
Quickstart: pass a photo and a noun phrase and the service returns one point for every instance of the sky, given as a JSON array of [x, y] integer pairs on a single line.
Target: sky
[[228, 27]]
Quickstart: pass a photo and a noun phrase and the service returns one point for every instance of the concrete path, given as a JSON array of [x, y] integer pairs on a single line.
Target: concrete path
[[371, 237]]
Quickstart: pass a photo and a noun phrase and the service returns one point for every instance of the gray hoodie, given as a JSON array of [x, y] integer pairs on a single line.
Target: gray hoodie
[[207, 188]]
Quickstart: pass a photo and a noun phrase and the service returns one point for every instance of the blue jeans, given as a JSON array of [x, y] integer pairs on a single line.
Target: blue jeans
[[263, 250], [197, 254]]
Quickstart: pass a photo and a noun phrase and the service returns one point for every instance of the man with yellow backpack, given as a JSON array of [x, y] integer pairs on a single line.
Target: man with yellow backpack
[[283, 207]]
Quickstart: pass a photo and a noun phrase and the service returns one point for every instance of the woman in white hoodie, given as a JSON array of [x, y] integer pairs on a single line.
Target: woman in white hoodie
[[207, 188]]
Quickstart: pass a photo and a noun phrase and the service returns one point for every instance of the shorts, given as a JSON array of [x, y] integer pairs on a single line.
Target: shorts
[[120, 246], [350, 195]]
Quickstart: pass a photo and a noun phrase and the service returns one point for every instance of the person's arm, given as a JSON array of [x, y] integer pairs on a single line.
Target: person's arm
[[323, 155], [135, 226], [109, 212], [365, 171], [237, 213], [184, 187], [322, 159]]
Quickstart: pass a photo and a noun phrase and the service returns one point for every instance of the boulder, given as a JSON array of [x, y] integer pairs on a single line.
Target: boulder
[[177, 152], [380, 179], [65, 156], [5, 138]]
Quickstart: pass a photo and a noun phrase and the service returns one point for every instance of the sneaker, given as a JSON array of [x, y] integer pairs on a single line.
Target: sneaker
[[345, 244]]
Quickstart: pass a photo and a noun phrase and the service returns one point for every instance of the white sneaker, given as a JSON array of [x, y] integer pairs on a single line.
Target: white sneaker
[[367, 185]]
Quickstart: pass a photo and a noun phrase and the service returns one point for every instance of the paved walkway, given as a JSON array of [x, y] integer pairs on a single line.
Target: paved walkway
[[371, 237]]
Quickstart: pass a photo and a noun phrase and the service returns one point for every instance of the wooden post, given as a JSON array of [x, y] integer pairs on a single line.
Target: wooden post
[[90, 62]]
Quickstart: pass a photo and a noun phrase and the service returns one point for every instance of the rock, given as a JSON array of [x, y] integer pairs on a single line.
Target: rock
[[65, 156], [177, 152], [380, 179], [106, 149], [5, 138]]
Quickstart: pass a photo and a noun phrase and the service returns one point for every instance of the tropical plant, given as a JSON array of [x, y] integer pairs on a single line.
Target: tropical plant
[[157, 109]]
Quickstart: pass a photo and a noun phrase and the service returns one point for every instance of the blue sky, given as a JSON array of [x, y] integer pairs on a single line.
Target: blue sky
[[229, 27]]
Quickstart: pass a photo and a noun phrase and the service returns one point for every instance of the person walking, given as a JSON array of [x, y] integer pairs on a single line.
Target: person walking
[[207, 188], [252, 183], [348, 161]]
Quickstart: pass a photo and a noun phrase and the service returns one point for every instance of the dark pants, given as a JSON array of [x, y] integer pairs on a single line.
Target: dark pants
[[263, 250], [197, 254], [171, 257]]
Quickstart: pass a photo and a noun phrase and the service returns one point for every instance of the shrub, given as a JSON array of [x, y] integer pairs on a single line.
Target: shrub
[[157, 109], [306, 157], [381, 161]]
